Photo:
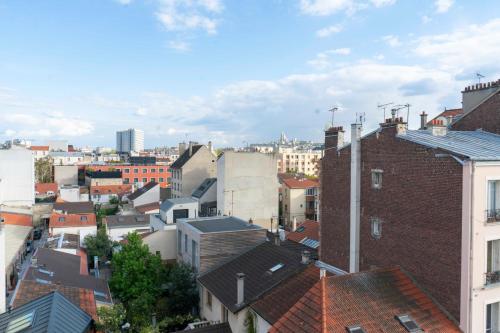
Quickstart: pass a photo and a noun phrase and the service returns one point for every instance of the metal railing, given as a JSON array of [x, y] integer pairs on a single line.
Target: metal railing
[[492, 277], [493, 215]]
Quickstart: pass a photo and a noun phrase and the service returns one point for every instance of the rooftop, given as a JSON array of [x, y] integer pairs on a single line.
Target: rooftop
[[475, 145], [301, 183], [126, 221], [63, 241], [142, 190], [43, 188], [169, 203], [103, 174], [203, 188], [85, 207], [148, 207], [50, 313], [220, 224], [179, 163], [307, 233], [265, 266], [111, 189], [15, 238], [72, 220]]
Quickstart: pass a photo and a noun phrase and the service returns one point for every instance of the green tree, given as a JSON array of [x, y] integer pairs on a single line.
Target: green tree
[[136, 279], [43, 170], [111, 318], [99, 245], [181, 293]]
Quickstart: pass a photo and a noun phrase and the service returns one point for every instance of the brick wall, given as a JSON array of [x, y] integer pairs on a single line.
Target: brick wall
[[486, 117], [419, 205]]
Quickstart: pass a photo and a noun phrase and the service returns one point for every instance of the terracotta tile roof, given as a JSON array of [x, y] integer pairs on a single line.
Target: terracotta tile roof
[[370, 299], [18, 219], [148, 207], [274, 304], [39, 148], [111, 189], [300, 183], [30, 290], [454, 113], [71, 220], [307, 229], [43, 188]]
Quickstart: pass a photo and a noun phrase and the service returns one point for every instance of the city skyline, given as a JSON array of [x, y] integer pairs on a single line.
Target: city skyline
[[203, 70]]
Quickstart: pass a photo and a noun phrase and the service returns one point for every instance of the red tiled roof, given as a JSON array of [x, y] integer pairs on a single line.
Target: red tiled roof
[[111, 189], [449, 113], [18, 219], [307, 229], [83, 262], [370, 299], [71, 220], [43, 188], [30, 290], [39, 148], [278, 301], [300, 183]]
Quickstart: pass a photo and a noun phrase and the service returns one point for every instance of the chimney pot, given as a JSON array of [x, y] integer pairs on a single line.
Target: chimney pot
[[240, 290], [423, 120], [306, 257]]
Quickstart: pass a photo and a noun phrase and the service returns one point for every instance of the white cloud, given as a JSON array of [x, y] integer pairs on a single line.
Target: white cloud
[[124, 2], [442, 6], [379, 56], [325, 7], [179, 45], [391, 40], [426, 19], [141, 111], [341, 51], [382, 3], [328, 31]]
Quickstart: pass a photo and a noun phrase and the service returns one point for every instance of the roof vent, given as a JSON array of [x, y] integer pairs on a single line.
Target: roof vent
[[355, 329], [408, 323]]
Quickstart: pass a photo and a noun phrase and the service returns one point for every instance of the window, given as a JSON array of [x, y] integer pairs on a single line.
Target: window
[[377, 179], [355, 329], [126, 170], [376, 227], [136, 180], [21, 323], [153, 179], [136, 170], [153, 170], [209, 299], [126, 181], [161, 180], [83, 218], [144, 170], [493, 212], [62, 219], [492, 317], [408, 323], [160, 170], [144, 180], [179, 241], [493, 262], [194, 247], [185, 243], [224, 314]]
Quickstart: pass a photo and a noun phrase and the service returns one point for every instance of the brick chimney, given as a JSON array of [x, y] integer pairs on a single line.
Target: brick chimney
[[182, 148], [438, 128], [334, 137], [423, 120], [474, 95], [397, 124], [240, 288]]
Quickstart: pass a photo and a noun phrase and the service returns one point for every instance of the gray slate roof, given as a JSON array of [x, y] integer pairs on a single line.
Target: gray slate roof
[[221, 224], [127, 221], [475, 145], [167, 204], [203, 188], [216, 328], [142, 190], [85, 207], [53, 313]]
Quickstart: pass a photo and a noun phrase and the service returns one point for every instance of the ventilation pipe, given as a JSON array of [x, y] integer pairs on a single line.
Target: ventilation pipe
[[240, 291], [423, 120], [355, 197]]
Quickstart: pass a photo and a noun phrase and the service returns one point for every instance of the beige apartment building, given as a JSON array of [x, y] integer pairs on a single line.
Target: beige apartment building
[[299, 161], [299, 201]]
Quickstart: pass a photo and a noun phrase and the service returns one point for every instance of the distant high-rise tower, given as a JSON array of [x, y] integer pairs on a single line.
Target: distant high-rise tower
[[129, 140]]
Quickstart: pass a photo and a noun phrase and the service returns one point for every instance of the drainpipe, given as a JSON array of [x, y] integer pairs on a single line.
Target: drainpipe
[[355, 197]]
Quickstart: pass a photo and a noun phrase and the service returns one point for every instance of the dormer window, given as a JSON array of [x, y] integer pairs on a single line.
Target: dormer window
[[377, 178], [62, 219], [408, 323], [83, 218], [355, 329]]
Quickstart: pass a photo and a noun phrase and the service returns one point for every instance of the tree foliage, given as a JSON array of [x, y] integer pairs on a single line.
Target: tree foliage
[[181, 293], [99, 245], [43, 170], [111, 318]]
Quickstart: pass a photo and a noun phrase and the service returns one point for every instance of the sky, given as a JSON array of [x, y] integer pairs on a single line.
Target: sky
[[233, 72]]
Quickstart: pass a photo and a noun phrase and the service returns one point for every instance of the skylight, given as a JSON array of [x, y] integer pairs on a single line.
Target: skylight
[[21, 323], [276, 267], [408, 323], [355, 329], [300, 229], [42, 281], [44, 271]]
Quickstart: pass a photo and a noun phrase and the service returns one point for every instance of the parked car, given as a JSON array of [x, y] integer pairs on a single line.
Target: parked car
[[37, 234], [29, 246]]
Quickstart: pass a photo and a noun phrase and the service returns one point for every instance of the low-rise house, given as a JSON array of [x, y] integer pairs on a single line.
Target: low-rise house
[[206, 194], [204, 243], [44, 191], [307, 233], [69, 157], [152, 208], [80, 224], [180, 208], [228, 290], [105, 193], [149, 193], [74, 207], [50, 313], [73, 193], [39, 152], [299, 200], [102, 178], [382, 300], [119, 226]]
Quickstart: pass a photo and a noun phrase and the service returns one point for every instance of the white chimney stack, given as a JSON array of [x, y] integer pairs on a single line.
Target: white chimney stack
[[294, 224], [355, 197], [240, 291], [306, 257]]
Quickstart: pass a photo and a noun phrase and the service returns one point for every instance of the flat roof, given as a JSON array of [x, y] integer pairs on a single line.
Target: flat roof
[[221, 224], [15, 237]]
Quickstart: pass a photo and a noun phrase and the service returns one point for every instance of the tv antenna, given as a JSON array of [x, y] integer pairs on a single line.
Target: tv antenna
[[395, 111], [333, 110], [384, 107], [479, 76], [361, 117]]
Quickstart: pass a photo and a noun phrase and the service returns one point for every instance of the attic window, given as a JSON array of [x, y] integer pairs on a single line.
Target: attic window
[[83, 218], [21, 323], [61, 219], [377, 178], [355, 329], [276, 267], [408, 323]]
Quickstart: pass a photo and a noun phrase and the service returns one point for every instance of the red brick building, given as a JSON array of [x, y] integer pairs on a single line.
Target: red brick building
[[133, 174]]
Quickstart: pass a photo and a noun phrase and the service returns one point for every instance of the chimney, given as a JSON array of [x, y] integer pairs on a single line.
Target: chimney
[[355, 197], [438, 128], [474, 95], [182, 148], [209, 146], [322, 273], [294, 224], [190, 148], [277, 239], [423, 120], [306, 257], [240, 289], [334, 137], [2, 267]]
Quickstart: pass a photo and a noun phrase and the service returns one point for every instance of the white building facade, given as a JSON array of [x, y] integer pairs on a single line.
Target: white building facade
[[131, 140]]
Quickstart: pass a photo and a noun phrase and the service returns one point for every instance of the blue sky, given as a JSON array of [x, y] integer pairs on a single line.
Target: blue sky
[[232, 71]]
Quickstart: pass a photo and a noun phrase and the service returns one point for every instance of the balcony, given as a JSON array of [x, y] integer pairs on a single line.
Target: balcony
[[493, 215], [492, 277]]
